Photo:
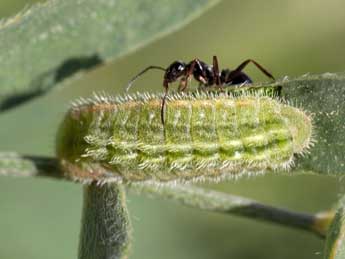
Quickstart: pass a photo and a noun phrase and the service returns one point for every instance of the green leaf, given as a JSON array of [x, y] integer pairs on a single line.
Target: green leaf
[[324, 97], [335, 242], [50, 42]]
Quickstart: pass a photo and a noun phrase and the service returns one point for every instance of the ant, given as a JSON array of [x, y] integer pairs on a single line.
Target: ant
[[206, 75]]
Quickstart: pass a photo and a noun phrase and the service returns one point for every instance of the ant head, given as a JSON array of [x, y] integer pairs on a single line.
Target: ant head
[[174, 71]]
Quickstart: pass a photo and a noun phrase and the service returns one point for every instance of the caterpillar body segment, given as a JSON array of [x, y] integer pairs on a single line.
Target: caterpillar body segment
[[205, 137]]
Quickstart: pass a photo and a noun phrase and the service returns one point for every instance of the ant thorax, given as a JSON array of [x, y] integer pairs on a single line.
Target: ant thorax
[[204, 73]]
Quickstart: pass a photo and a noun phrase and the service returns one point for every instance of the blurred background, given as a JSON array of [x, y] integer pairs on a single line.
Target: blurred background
[[40, 218]]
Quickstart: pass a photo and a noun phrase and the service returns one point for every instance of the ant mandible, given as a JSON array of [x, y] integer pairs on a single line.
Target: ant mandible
[[206, 75]]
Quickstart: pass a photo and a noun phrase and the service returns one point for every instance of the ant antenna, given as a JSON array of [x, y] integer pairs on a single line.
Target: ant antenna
[[129, 85], [166, 87]]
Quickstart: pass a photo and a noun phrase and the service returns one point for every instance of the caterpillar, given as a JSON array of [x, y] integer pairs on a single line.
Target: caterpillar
[[206, 136]]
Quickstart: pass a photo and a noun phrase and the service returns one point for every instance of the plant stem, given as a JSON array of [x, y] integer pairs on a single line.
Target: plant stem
[[105, 231], [19, 165], [14, 164], [220, 202]]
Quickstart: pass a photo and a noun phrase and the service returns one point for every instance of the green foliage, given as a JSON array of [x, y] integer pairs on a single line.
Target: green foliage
[[323, 97], [48, 43], [45, 45], [335, 242]]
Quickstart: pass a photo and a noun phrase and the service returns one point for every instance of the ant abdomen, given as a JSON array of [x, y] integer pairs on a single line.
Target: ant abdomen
[[227, 79]]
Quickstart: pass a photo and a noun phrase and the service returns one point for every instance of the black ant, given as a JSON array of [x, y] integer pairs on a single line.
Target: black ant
[[206, 75]]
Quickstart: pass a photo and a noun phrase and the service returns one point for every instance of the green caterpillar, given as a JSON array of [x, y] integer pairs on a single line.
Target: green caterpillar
[[205, 136]]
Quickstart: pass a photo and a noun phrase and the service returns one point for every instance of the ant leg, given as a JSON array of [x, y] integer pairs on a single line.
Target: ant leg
[[129, 85], [244, 64], [216, 71], [183, 84], [184, 81]]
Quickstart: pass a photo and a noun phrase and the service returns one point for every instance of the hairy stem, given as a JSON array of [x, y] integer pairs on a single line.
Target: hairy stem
[[105, 231], [14, 164], [200, 198]]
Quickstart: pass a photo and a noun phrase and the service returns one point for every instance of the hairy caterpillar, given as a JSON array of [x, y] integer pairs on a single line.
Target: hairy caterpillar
[[205, 136]]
